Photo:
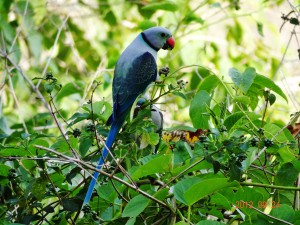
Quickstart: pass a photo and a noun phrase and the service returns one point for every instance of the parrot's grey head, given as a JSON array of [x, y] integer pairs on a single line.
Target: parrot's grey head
[[158, 38]]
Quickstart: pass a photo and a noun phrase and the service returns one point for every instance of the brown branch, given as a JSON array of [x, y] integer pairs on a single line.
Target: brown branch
[[88, 166]]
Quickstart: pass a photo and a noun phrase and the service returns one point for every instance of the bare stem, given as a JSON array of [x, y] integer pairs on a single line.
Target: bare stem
[[88, 166]]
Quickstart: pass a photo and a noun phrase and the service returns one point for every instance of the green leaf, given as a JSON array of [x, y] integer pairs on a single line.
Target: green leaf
[[49, 87], [243, 80], [272, 99], [284, 212], [248, 77], [191, 17], [149, 138], [135, 206], [131, 221], [235, 171], [209, 222], [242, 99], [287, 175], [59, 180], [182, 186], [272, 129], [62, 146], [179, 94], [163, 5], [209, 83], [296, 164], [239, 120], [76, 87], [35, 44], [4, 170], [215, 5], [181, 223], [85, 142], [286, 155], [159, 164], [77, 117], [198, 110], [111, 18], [143, 25], [4, 127], [161, 194], [232, 119], [265, 82], [28, 164], [39, 188], [236, 76], [70, 204], [101, 109], [197, 192], [14, 152], [220, 200], [8, 30], [108, 191], [72, 174], [260, 28], [5, 5], [235, 32]]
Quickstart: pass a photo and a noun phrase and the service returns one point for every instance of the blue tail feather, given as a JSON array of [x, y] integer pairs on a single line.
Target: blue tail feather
[[115, 127]]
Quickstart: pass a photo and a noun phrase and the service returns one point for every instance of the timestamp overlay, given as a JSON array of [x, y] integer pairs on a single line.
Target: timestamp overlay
[[240, 204]]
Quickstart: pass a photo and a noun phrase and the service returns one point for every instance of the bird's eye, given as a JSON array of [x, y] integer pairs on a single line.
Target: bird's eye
[[162, 34]]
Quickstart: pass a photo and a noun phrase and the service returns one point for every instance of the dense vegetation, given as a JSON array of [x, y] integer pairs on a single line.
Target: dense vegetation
[[227, 153]]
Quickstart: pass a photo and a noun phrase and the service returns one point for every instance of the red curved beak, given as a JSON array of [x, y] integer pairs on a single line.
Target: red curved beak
[[170, 43]]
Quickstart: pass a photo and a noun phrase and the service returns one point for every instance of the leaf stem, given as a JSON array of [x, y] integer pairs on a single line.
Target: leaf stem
[[270, 186]]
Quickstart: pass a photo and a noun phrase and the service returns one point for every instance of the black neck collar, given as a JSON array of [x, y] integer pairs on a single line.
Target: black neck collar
[[148, 42]]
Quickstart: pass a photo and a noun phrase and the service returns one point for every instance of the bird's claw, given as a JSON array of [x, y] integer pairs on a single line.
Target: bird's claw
[[164, 70]]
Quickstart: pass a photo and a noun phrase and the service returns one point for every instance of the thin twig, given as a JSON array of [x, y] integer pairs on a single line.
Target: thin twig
[[260, 168], [88, 166], [41, 97], [53, 49], [188, 168], [17, 103], [267, 215], [19, 29], [99, 70], [62, 131], [98, 140]]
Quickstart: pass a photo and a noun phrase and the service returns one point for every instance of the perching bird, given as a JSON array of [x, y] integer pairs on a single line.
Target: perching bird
[[156, 117], [135, 70]]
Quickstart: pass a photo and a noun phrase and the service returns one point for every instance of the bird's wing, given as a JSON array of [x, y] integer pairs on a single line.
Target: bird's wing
[[133, 81]]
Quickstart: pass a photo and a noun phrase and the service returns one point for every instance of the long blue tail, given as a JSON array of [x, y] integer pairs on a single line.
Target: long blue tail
[[114, 129]]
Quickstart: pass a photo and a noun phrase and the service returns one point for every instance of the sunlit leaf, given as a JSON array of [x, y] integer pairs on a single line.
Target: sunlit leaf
[[268, 83], [198, 111], [158, 164], [76, 87], [209, 83], [243, 80], [164, 5]]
